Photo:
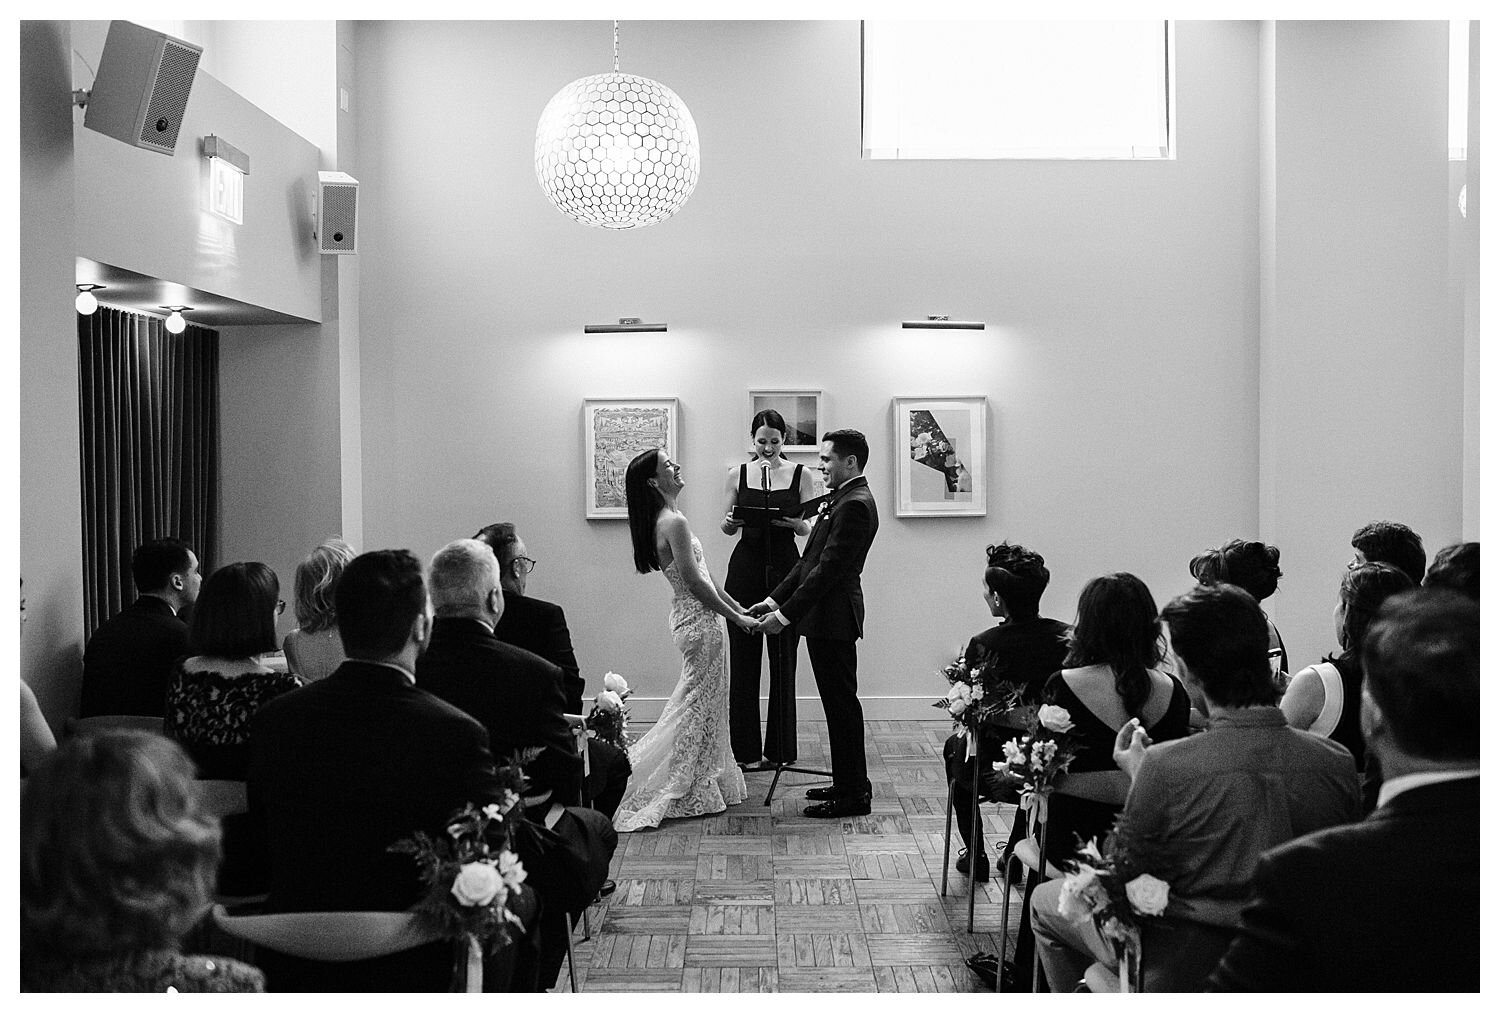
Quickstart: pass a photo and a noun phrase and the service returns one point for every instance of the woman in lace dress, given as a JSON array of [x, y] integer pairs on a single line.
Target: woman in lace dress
[[683, 766]]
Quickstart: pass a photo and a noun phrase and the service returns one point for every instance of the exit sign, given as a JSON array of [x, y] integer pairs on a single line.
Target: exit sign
[[226, 191]]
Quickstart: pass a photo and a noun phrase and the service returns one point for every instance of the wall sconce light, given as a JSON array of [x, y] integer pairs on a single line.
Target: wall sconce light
[[86, 303], [627, 325], [227, 168], [175, 323], [936, 322]]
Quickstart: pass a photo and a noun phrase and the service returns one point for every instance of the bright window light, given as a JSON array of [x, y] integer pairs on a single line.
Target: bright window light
[[1458, 90], [1017, 89]]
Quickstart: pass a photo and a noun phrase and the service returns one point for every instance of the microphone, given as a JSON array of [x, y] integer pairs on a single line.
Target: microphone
[[765, 477]]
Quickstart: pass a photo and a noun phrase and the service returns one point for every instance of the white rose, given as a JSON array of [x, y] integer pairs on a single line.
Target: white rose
[[1147, 894], [958, 699], [609, 701], [616, 684], [477, 884], [1055, 718]]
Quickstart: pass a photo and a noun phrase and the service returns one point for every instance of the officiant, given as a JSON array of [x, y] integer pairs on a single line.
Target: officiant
[[765, 500]]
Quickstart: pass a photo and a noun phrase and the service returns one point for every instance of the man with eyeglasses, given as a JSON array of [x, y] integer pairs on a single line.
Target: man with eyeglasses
[[541, 627]]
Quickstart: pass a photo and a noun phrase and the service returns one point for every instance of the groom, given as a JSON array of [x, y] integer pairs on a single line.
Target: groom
[[821, 597]]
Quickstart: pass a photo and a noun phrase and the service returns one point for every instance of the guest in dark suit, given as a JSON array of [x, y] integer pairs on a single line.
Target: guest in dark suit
[[541, 628], [1327, 913], [129, 659], [345, 767], [822, 598], [516, 695]]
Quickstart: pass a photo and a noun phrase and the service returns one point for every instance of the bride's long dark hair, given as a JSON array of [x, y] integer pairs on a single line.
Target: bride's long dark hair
[[643, 503]]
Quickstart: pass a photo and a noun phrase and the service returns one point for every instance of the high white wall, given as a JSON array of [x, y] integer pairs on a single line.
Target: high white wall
[[1121, 356], [1364, 400]]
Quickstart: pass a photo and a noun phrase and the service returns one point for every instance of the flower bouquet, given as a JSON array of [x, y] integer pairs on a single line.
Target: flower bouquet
[[970, 702], [1033, 762], [1110, 887], [608, 718], [472, 877]]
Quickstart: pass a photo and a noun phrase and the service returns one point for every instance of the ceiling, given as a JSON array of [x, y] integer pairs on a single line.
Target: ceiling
[[143, 294]]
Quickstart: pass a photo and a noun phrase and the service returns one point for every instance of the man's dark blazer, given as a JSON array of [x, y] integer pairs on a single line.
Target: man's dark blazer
[[541, 628], [1390, 904], [515, 694], [128, 660], [822, 597], [340, 770]]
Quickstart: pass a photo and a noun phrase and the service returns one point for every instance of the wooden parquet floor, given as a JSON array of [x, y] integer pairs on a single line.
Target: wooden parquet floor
[[764, 899]]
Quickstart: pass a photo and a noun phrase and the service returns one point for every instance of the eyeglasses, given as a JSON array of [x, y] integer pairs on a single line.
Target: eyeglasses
[[280, 607], [527, 563]]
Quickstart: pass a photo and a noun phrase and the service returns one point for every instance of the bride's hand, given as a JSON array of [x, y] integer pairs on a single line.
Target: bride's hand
[[745, 622]]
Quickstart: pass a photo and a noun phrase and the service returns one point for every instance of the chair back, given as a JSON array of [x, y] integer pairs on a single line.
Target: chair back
[[101, 722], [336, 936], [1029, 849]]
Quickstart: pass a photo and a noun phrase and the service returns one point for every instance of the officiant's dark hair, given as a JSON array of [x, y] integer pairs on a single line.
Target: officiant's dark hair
[[643, 502], [377, 599], [849, 441], [1421, 662], [1018, 575]]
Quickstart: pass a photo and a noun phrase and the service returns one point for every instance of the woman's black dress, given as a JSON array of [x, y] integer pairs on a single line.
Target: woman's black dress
[[747, 582]]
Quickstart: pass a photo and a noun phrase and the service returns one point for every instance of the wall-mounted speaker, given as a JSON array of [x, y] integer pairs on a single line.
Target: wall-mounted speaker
[[141, 90], [338, 213]]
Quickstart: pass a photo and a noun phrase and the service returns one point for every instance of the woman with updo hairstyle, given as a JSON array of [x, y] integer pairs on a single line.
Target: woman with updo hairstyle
[[1110, 677], [117, 864], [1256, 568], [313, 649], [765, 553], [1324, 698]]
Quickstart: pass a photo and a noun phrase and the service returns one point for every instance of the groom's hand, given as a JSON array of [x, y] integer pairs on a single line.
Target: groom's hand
[[761, 608], [771, 625]]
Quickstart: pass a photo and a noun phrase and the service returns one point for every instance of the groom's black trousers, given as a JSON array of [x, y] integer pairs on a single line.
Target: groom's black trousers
[[834, 665]]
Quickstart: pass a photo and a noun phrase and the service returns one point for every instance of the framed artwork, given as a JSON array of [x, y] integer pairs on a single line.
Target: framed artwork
[[940, 456], [803, 411], [615, 430]]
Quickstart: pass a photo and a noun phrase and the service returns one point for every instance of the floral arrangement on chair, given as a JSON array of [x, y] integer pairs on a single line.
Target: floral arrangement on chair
[[970, 701], [1033, 762], [608, 718], [1112, 888], [472, 877]]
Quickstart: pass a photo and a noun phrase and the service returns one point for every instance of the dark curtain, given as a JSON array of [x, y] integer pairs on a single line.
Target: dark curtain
[[150, 447]]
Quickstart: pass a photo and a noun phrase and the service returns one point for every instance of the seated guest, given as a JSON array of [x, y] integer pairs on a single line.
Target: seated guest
[[1326, 913], [516, 695], [541, 628], [1025, 649], [129, 659], [1110, 677], [214, 692], [37, 740], [1456, 568], [117, 864], [342, 769], [1324, 698], [1390, 542], [1253, 566], [1203, 808], [313, 649]]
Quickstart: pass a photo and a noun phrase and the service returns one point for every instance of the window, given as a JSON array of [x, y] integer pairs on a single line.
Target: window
[[1017, 89]]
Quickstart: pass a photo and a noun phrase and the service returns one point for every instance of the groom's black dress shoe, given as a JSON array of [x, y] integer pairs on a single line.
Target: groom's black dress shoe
[[823, 793], [849, 805]]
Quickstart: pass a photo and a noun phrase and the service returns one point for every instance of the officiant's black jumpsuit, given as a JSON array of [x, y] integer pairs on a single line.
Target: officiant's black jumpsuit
[[746, 582]]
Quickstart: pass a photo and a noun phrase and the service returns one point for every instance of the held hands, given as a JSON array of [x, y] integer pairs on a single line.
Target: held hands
[[1130, 747], [771, 625], [746, 622], [761, 608]]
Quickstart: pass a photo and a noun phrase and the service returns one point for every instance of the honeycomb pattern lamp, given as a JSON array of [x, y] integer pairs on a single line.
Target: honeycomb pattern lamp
[[617, 151]]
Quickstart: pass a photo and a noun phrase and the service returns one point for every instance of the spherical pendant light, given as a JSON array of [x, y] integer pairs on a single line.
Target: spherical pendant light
[[617, 151]]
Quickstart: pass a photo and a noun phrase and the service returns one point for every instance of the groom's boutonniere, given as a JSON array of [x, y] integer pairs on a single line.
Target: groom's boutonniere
[[824, 507]]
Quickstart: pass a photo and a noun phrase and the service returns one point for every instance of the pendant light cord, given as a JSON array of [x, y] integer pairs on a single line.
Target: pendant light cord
[[617, 47]]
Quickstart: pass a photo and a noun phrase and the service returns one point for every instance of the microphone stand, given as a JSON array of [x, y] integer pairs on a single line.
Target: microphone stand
[[783, 691]]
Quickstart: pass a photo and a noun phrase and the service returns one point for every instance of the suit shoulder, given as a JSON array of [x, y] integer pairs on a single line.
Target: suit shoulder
[[518, 658]]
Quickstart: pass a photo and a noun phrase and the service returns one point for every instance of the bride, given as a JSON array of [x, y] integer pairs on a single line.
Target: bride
[[683, 766]]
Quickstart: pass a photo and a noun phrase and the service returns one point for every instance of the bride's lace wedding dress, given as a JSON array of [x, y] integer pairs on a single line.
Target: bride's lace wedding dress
[[684, 766]]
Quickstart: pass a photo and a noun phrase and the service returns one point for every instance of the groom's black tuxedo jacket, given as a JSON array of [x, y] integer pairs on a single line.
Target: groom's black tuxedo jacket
[[1390, 904], [822, 597]]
